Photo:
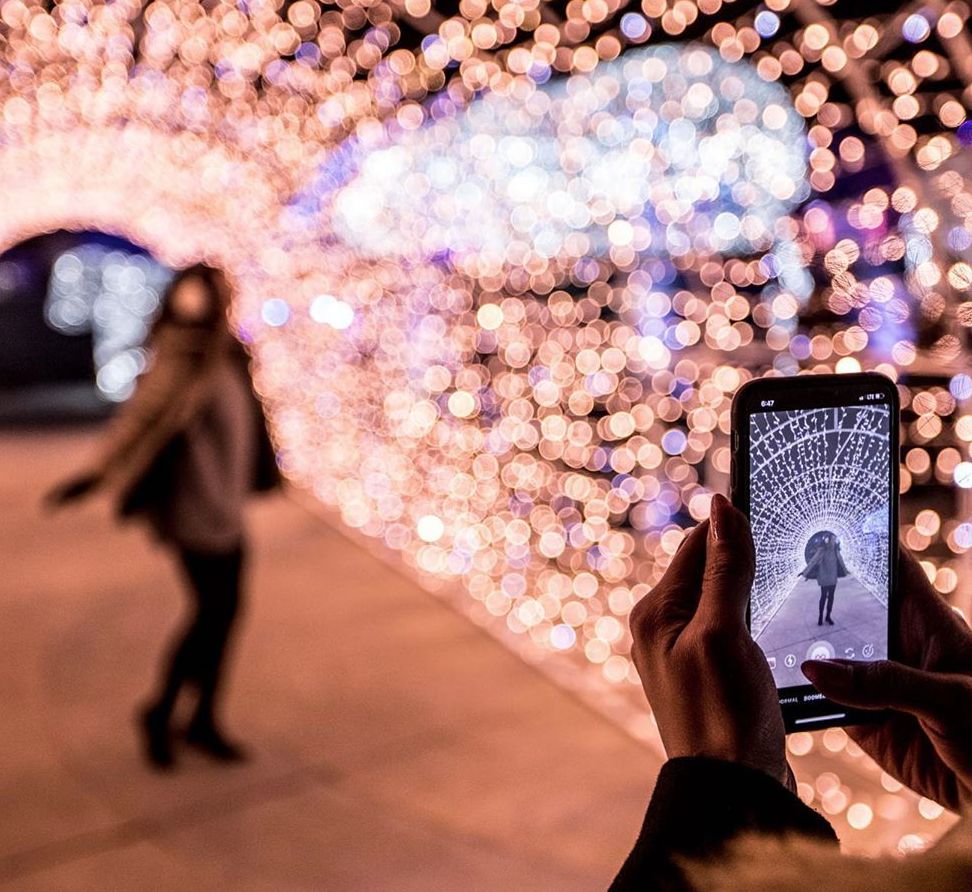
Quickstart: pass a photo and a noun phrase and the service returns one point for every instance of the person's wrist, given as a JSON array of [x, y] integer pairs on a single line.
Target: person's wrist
[[778, 770], [780, 773]]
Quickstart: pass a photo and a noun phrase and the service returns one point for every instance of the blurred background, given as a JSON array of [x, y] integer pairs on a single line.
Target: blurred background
[[501, 267]]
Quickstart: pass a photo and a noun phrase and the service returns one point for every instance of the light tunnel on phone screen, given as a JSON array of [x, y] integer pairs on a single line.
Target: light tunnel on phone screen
[[499, 297], [820, 500]]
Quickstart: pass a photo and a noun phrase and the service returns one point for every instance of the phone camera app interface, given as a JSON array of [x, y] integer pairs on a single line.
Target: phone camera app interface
[[820, 504]]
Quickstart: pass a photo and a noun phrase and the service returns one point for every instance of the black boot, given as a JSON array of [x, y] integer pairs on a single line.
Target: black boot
[[830, 622], [820, 620], [203, 735], [153, 725]]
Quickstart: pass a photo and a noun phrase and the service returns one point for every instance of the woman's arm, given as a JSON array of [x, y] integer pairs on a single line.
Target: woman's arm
[[812, 563], [841, 566], [164, 387], [698, 806], [717, 709], [173, 365]]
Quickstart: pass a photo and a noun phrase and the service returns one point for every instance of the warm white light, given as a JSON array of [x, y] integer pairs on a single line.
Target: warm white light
[[430, 528], [499, 296], [859, 815]]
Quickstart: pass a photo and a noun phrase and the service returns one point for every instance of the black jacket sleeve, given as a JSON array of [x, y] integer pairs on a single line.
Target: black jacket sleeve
[[697, 807]]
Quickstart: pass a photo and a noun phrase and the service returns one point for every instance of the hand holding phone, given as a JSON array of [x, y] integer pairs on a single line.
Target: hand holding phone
[[706, 680], [926, 741]]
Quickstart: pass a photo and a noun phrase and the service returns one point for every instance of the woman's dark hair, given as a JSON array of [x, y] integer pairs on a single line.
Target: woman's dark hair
[[208, 275]]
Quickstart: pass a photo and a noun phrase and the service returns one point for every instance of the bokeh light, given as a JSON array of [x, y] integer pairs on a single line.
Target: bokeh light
[[114, 295], [501, 281]]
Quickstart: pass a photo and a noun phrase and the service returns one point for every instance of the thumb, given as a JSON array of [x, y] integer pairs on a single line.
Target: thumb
[[729, 566], [883, 684]]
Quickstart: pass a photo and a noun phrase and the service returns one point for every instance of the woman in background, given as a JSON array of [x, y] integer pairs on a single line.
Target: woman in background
[[183, 454]]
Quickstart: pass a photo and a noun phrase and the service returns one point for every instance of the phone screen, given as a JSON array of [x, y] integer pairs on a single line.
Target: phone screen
[[821, 505]]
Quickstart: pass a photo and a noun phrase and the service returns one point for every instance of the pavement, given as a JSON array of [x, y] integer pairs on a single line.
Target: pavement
[[396, 745], [860, 629]]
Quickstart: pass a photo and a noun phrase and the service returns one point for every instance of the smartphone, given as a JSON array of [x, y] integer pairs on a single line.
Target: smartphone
[[815, 468]]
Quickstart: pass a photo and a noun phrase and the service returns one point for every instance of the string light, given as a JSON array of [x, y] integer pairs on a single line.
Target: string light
[[502, 284]]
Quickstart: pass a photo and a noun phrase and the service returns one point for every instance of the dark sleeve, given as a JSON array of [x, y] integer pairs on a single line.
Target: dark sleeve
[[812, 563], [161, 385], [841, 566], [699, 805]]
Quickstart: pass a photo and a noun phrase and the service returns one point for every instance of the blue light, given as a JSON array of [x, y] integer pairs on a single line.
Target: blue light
[[800, 346], [275, 312], [963, 535], [915, 28], [674, 442], [562, 637], [963, 474], [537, 202], [961, 386], [308, 54], [767, 23], [959, 239], [540, 73], [633, 25]]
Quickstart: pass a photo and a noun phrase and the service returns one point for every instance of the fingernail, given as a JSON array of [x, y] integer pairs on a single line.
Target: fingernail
[[718, 516], [826, 671]]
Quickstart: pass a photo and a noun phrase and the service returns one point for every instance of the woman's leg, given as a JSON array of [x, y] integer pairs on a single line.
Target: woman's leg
[[181, 662], [830, 600], [219, 610], [179, 665], [820, 606], [199, 656]]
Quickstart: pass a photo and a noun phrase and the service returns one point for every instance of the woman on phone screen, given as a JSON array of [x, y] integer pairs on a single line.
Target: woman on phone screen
[[826, 566]]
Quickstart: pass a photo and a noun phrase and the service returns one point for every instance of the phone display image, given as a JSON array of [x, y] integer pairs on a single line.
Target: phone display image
[[820, 503]]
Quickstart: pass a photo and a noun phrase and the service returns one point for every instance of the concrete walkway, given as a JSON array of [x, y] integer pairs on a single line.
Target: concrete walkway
[[859, 632], [397, 746]]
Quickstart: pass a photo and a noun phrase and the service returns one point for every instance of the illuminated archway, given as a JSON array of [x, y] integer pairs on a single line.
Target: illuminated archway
[[510, 431]]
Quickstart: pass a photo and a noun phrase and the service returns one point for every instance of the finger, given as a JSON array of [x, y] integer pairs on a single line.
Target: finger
[[931, 634], [681, 579], [729, 566], [917, 592], [669, 605], [691, 548], [884, 684]]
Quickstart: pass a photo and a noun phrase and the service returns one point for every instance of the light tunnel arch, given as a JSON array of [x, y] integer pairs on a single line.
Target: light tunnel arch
[[814, 470], [183, 197], [381, 388], [421, 434], [407, 421], [159, 190]]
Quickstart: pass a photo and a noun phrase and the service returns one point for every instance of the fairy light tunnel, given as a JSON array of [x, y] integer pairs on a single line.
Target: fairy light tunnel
[[501, 283], [827, 472]]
